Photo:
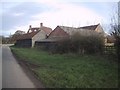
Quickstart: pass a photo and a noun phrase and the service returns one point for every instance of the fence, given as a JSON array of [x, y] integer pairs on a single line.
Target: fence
[[110, 50]]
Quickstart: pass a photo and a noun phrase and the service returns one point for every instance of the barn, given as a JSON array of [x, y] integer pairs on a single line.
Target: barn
[[65, 31]]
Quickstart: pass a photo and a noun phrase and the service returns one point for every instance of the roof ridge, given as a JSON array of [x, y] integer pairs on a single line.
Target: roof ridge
[[66, 26], [90, 25]]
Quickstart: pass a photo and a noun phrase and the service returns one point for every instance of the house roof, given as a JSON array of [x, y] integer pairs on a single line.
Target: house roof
[[47, 30], [27, 35], [35, 28], [91, 27], [34, 31]]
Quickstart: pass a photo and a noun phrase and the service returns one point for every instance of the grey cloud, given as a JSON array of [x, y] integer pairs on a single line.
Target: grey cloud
[[28, 8]]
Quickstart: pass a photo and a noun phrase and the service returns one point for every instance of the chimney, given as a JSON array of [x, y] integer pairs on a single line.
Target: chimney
[[41, 24], [30, 26]]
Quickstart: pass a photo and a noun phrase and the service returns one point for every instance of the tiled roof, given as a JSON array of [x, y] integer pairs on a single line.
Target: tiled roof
[[46, 29], [91, 27], [69, 30], [34, 31], [27, 35]]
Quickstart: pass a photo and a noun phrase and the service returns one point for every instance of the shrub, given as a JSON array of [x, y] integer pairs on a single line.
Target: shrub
[[63, 46], [82, 42], [88, 42]]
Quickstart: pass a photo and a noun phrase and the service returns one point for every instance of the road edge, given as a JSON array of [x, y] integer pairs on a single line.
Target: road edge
[[32, 75]]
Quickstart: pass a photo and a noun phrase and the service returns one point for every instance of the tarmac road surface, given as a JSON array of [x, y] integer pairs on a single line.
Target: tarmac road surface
[[13, 75]]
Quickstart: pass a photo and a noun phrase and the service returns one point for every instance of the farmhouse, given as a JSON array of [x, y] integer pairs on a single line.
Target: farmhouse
[[33, 34]]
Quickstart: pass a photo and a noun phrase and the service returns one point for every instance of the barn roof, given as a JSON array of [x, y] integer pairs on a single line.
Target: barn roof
[[27, 35], [69, 30], [91, 27]]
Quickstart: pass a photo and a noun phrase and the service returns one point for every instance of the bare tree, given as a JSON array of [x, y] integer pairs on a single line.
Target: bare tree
[[116, 30]]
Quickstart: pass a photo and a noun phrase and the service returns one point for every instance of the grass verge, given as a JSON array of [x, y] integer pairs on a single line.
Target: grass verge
[[70, 70]]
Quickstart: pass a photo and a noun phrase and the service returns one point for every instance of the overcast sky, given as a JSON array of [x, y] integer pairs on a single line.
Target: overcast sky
[[19, 15]]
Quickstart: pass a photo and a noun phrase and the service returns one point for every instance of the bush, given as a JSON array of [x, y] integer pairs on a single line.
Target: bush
[[82, 42], [63, 46], [88, 42]]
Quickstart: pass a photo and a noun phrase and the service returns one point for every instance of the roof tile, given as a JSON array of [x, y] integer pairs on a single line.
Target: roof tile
[[35, 30], [27, 35]]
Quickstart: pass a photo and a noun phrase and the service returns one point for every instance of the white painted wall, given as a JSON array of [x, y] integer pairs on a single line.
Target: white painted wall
[[39, 36]]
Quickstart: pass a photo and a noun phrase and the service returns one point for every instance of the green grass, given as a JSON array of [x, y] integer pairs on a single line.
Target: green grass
[[70, 70]]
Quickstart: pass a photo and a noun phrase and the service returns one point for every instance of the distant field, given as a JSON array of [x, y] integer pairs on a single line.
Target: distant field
[[70, 70]]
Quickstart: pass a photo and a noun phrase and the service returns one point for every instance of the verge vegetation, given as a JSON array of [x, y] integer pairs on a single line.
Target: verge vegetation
[[70, 70]]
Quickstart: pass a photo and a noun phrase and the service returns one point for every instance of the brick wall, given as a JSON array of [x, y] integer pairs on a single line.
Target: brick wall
[[58, 33]]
